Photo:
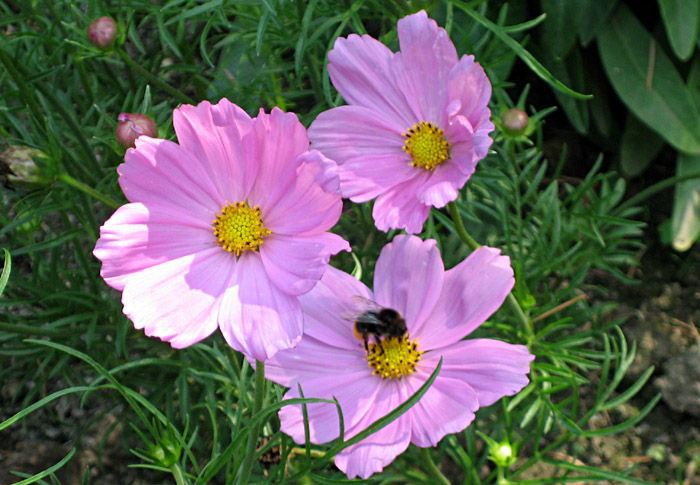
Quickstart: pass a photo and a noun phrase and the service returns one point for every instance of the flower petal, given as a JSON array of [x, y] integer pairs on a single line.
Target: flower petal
[[178, 300], [443, 187], [372, 454], [469, 84], [325, 305], [367, 148], [312, 359], [427, 55], [399, 208], [281, 139], [447, 407], [137, 237], [360, 69], [492, 368], [257, 318], [161, 172], [356, 392], [408, 277], [309, 201], [220, 138], [296, 263], [472, 291]]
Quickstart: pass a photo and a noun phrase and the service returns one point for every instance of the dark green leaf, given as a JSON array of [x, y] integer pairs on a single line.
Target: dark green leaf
[[639, 146], [593, 13], [647, 82], [681, 21], [560, 27], [526, 57]]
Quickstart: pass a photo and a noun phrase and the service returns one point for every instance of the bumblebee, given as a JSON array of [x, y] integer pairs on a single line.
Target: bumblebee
[[373, 319]]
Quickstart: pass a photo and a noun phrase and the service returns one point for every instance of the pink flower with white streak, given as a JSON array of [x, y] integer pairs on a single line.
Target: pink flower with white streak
[[440, 308], [224, 230], [416, 123]]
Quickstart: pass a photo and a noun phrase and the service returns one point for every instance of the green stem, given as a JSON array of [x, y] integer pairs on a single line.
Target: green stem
[[459, 225], [657, 187], [177, 474], [244, 472], [432, 468], [511, 301], [67, 179], [181, 97]]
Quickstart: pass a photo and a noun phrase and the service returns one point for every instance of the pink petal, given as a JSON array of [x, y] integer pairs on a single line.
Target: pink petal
[[360, 69], [468, 84], [427, 55], [408, 277], [367, 148], [161, 172], [399, 207], [312, 359], [324, 306], [281, 139], [492, 368], [447, 407], [473, 290], [308, 201], [372, 454], [481, 139], [356, 392], [443, 184], [220, 138], [137, 237], [462, 156], [469, 124], [178, 300], [257, 318], [296, 263]]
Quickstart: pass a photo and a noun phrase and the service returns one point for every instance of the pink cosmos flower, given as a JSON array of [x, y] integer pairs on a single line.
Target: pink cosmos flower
[[439, 307], [225, 229], [416, 123]]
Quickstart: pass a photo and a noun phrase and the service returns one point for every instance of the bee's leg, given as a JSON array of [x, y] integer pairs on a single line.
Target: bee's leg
[[379, 343], [366, 339]]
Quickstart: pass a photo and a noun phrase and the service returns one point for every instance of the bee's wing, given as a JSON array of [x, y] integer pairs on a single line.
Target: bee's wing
[[350, 315], [362, 307], [365, 304]]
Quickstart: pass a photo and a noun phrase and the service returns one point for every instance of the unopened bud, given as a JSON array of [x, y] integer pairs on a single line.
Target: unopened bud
[[503, 453], [133, 125], [24, 172], [102, 32], [515, 122]]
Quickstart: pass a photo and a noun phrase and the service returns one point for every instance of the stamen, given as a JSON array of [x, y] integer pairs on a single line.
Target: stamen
[[399, 358], [239, 228], [426, 145]]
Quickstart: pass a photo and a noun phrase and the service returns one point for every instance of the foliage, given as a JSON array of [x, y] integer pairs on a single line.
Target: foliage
[[651, 63]]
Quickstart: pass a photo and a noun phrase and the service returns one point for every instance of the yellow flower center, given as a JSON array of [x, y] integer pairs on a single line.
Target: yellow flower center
[[399, 358], [426, 145], [239, 227]]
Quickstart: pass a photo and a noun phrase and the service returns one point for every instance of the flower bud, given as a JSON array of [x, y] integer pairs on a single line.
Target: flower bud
[[133, 125], [165, 453], [102, 32], [502, 453], [24, 172], [515, 122]]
